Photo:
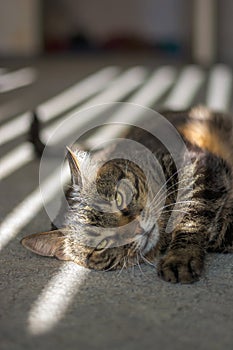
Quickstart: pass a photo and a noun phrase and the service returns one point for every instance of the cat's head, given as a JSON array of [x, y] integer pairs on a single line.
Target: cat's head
[[107, 223]]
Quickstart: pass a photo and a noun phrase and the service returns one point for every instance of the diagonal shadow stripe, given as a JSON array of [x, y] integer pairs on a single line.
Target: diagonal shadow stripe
[[123, 85], [60, 103]]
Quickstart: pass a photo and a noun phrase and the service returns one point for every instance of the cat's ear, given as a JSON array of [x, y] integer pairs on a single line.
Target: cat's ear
[[52, 243], [74, 167]]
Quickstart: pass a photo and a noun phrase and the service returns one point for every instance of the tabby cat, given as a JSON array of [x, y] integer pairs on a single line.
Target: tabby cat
[[118, 229]]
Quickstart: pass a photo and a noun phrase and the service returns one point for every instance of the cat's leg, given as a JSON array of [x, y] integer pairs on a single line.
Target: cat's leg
[[207, 220], [184, 260], [199, 231]]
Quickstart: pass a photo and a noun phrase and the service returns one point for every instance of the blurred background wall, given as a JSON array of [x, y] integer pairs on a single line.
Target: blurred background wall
[[21, 30], [225, 32], [122, 23], [167, 27]]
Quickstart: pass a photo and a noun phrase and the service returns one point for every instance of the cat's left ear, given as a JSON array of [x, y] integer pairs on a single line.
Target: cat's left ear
[[53, 244]]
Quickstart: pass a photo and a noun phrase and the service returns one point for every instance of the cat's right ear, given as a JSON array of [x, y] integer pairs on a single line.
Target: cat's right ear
[[53, 244], [74, 167]]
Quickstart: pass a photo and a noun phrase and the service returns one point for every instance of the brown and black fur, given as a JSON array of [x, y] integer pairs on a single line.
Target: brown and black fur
[[207, 220]]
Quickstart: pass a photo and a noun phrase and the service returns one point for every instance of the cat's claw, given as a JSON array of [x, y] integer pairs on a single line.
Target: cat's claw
[[181, 268]]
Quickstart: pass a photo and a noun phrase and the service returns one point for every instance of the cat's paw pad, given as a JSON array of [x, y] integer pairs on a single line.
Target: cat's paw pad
[[183, 268]]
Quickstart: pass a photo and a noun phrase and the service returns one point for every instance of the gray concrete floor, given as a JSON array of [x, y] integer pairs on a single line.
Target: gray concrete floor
[[130, 310]]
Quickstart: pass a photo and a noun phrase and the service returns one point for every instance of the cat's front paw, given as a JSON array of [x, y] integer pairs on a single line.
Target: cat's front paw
[[181, 266]]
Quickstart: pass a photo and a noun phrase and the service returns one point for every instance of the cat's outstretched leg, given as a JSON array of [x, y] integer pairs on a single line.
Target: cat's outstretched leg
[[196, 234], [184, 260], [205, 225]]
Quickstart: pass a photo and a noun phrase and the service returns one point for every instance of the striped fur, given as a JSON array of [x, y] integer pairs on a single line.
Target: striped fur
[[99, 234]]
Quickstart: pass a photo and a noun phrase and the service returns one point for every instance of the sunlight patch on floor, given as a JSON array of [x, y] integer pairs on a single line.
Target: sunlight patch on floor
[[219, 88], [17, 79], [21, 215], [53, 302], [188, 84]]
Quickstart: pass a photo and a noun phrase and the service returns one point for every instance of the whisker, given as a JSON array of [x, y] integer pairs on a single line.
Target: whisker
[[156, 198], [138, 263], [123, 266], [145, 260], [174, 203], [150, 263], [112, 267], [170, 193], [180, 202], [175, 173], [178, 210], [132, 270]]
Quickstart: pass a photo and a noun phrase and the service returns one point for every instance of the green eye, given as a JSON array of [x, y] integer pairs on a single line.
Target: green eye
[[119, 199], [102, 244]]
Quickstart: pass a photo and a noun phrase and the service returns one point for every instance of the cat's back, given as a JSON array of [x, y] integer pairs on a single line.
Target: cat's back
[[199, 127], [210, 131]]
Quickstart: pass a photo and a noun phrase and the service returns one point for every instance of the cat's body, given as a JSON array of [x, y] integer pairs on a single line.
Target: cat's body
[[118, 219]]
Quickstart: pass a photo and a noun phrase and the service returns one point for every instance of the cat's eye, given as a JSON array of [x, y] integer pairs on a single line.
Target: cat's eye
[[119, 199], [102, 244]]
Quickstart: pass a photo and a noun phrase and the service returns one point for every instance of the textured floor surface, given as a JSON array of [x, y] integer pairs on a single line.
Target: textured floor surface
[[46, 304]]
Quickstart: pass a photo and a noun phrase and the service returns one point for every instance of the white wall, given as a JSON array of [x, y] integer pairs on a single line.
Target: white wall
[[225, 31], [20, 27]]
